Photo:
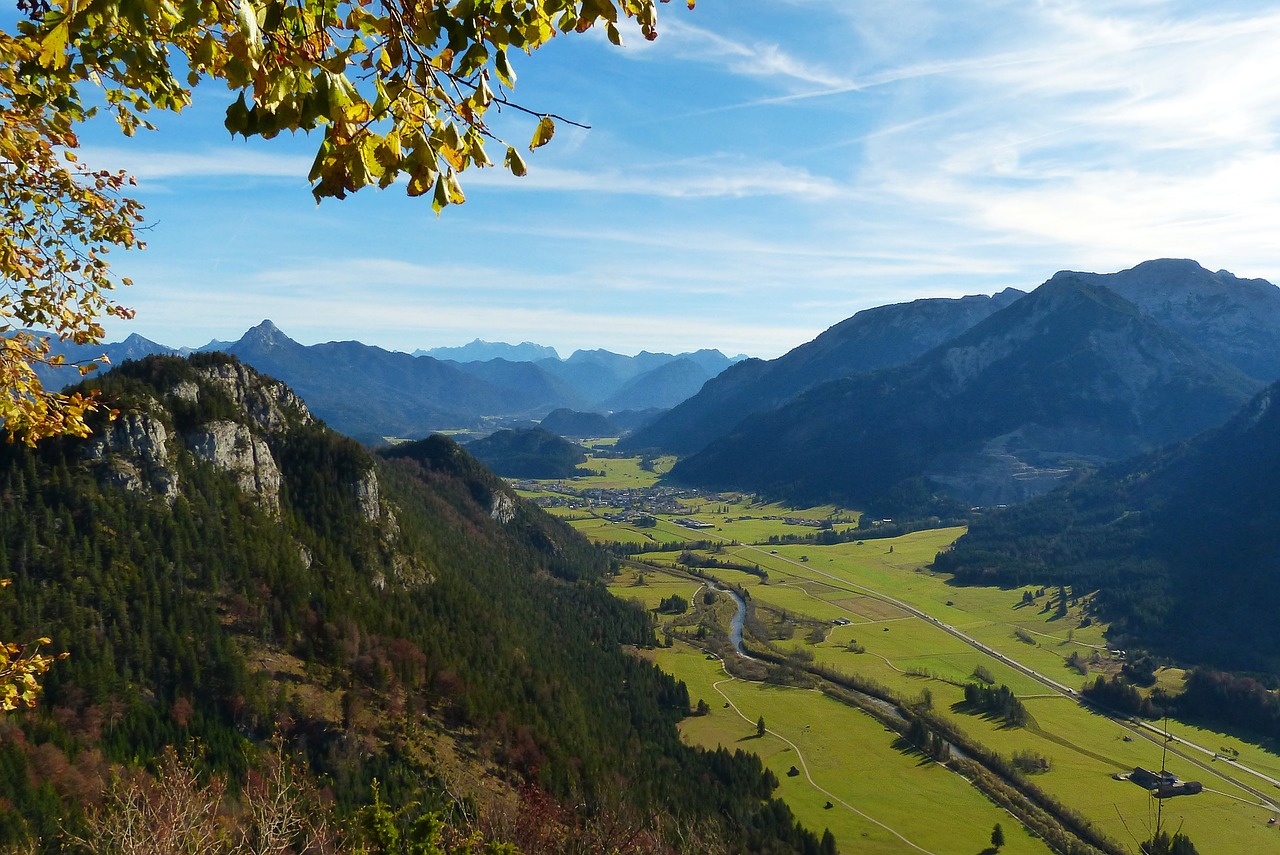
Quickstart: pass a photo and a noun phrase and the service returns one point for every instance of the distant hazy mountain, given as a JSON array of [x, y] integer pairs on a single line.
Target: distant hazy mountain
[[367, 392], [482, 351], [1060, 381], [133, 347], [600, 379], [213, 346], [601, 376], [629, 420], [1182, 543], [663, 387], [370, 393], [872, 339], [1236, 320], [531, 381]]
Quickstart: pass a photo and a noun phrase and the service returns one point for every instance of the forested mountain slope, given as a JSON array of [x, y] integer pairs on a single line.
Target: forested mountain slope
[[1064, 379], [528, 453], [1182, 543], [872, 339], [222, 568]]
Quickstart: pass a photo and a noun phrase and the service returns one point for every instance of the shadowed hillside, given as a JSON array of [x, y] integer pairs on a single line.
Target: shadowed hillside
[[222, 568]]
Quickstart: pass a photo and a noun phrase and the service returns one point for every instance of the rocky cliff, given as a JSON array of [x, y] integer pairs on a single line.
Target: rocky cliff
[[219, 412]]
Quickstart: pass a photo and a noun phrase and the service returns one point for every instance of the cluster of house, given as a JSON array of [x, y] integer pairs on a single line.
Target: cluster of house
[[796, 521], [652, 500]]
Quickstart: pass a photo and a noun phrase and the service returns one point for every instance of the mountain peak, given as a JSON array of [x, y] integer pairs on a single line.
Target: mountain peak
[[1232, 318], [265, 334]]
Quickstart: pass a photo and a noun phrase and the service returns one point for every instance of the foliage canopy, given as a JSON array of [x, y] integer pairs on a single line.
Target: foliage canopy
[[400, 89]]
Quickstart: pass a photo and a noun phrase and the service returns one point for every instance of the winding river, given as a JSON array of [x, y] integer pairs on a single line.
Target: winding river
[[735, 625]]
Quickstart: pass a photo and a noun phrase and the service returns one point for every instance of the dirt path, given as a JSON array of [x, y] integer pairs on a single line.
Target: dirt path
[[805, 767]]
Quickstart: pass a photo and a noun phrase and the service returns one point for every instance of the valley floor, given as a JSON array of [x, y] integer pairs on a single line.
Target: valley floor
[[872, 610]]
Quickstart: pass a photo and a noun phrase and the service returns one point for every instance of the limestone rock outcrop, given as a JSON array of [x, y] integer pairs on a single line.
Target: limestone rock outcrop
[[235, 449]]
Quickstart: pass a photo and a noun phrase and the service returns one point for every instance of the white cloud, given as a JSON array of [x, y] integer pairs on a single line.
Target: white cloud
[[755, 58], [698, 178], [1113, 137], [223, 161]]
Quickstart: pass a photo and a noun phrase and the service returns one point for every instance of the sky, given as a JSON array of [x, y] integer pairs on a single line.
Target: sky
[[761, 171]]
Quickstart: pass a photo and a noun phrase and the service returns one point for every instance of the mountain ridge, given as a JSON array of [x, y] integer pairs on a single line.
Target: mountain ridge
[[259, 576], [1180, 542], [873, 338], [371, 393], [1065, 378]]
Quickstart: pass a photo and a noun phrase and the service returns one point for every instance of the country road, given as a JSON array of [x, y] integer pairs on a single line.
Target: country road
[[1180, 746]]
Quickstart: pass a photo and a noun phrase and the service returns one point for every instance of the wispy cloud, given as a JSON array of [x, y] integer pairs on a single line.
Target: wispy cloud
[[754, 58], [223, 161], [1117, 138], [771, 167], [697, 178]]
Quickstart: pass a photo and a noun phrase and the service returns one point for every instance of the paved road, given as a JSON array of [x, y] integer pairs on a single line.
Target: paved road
[[1176, 744]]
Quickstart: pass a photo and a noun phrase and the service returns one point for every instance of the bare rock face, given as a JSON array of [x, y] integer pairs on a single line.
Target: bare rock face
[[134, 451], [186, 391], [271, 405], [367, 495], [502, 508], [233, 448]]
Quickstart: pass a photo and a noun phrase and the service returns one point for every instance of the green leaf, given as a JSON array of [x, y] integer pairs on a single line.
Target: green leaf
[[484, 95], [441, 198], [546, 130], [505, 73], [454, 188]]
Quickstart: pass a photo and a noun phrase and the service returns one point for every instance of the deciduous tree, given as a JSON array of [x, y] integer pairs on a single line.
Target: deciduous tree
[[401, 90]]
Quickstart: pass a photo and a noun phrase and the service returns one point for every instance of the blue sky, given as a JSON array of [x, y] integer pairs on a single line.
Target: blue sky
[[762, 171]]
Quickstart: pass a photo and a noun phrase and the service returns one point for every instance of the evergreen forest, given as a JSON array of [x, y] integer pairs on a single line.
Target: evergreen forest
[[361, 635]]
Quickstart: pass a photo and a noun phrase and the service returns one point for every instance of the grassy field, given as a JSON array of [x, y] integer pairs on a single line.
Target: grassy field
[[1084, 750], [876, 787]]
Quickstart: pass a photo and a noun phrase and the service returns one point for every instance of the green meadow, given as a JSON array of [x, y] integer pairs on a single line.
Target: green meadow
[[885, 797], [875, 786]]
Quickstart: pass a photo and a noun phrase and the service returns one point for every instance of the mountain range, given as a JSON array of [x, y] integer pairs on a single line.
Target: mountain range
[[979, 400], [371, 393], [875, 338], [479, 350], [1085, 370]]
